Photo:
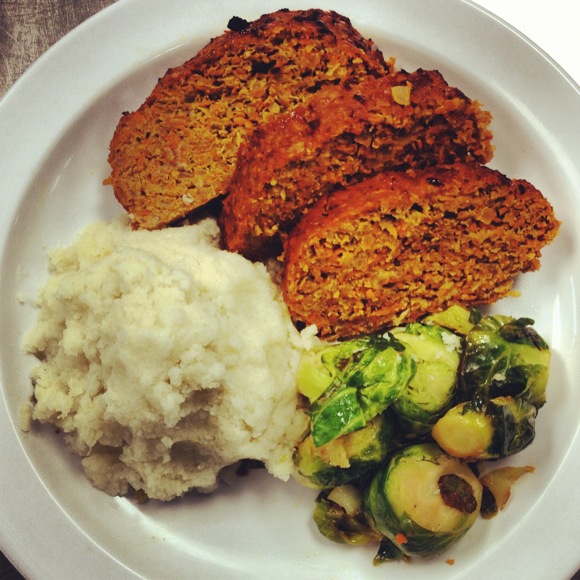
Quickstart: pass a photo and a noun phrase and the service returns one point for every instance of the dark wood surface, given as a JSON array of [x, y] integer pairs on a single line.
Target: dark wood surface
[[27, 29]]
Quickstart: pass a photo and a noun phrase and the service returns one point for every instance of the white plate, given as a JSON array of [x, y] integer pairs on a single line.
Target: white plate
[[55, 125]]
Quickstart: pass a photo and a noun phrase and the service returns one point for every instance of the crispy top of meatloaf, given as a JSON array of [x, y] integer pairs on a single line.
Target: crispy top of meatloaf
[[340, 136], [395, 247], [178, 150]]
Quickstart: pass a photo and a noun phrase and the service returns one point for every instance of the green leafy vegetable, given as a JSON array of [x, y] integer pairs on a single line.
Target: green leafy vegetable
[[505, 356], [455, 318], [346, 458], [337, 524], [494, 429], [336, 414], [369, 375], [437, 354], [406, 505], [388, 551], [461, 387]]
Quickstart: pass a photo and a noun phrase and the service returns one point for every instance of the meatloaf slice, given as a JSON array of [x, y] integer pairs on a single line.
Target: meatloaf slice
[[178, 150], [396, 246], [342, 135]]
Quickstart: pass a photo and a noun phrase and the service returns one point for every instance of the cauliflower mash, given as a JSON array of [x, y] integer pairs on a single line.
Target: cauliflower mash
[[164, 359]]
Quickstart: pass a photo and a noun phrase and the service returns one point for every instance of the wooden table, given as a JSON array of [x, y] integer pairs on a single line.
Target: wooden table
[[27, 29]]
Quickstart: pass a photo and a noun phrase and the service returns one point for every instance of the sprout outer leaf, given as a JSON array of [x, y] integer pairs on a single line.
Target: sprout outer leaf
[[505, 357]]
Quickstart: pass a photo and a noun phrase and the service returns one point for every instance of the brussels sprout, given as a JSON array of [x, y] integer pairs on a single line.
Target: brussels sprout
[[345, 524], [320, 366], [388, 552], [505, 356], [478, 430], [346, 458], [423, 500], [313, 377], [455, 318], [437, 353], [369, 374]]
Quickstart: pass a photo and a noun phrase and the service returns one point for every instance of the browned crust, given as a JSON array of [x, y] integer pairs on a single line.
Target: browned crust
[[341, 136], [178, 150], [396, 247]]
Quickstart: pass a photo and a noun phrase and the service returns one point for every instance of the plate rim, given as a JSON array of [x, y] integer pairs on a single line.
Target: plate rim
[[97, 24]]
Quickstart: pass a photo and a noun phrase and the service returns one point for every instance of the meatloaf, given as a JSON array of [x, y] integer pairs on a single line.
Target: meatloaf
[[342, 135], [178, 150], [395, 247]]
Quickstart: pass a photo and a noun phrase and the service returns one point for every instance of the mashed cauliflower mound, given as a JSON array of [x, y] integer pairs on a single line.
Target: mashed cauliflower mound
[[164, 359]]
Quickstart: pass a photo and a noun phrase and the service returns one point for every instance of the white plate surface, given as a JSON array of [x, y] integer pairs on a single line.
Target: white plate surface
[[55, 125]]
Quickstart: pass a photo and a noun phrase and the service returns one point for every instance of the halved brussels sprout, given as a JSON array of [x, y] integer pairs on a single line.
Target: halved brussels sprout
[[437, 354], [345, 524], [478, 430], [320, 366], [389, 552], [423, 500], [346, 458], [455, 318], [505, 356], [369, 374]]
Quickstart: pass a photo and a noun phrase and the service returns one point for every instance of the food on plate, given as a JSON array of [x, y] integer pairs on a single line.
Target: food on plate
[[503, 380], [178, 150], [370, 373], [413, 488], [505, 357], [486, 429], [340, 517], [164, 358], [397, 246], [347, 457], [423, 501], [498, 482], [342, 135], [429, 394]]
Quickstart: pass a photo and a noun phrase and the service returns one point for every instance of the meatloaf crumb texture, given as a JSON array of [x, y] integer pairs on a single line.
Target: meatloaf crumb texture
[[342, 135], [395, 247], [178, 150]]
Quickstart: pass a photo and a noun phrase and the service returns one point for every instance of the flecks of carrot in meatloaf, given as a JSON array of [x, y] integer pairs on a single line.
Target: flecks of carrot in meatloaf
[[178, 150], [395, 247], [340, 136]]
